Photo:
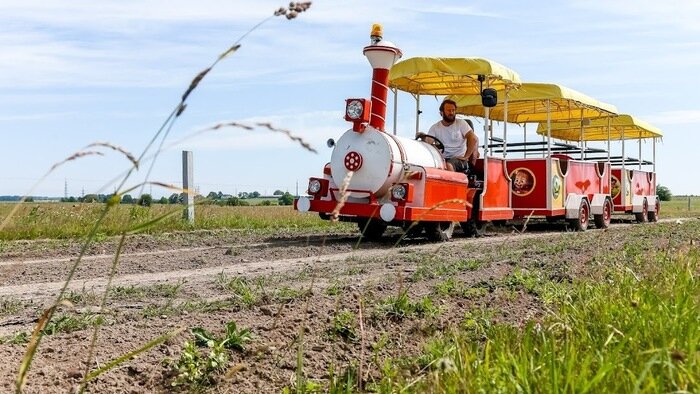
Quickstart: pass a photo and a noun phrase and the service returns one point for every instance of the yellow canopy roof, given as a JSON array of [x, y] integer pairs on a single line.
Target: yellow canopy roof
[[528, 103], [444, 76], [621, 127]]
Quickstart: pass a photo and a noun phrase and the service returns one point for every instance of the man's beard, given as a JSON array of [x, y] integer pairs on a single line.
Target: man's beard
[[448, 118]]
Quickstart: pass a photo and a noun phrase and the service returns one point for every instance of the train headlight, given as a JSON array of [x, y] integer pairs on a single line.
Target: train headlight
[[357, 111], [314, 186], [354, 109], [398, 192], [318, 187], [402, 192]]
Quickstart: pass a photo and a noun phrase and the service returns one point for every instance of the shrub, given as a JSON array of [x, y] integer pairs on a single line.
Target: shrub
[[145, 200], [127, 199], [286, 199], [664, 193]]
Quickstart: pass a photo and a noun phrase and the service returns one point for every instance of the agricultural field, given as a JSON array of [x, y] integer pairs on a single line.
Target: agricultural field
[[74, 220], [288, 303], [681, 206]]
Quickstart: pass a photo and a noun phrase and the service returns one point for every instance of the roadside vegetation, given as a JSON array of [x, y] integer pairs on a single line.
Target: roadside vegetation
[[64, 220], [633, 327]]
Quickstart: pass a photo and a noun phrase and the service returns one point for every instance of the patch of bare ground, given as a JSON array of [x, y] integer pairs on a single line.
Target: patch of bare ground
[[312, 295]]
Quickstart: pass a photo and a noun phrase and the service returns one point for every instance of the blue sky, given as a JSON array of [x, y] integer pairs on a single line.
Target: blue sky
[[76, 72]]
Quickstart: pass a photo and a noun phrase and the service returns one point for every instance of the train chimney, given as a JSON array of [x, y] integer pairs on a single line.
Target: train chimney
[[381, 55]]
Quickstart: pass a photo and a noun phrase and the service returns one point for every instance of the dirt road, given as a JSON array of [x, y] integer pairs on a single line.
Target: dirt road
[[276, 286]]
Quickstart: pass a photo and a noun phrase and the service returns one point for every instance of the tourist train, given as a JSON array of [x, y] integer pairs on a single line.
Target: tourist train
[[379, 179]]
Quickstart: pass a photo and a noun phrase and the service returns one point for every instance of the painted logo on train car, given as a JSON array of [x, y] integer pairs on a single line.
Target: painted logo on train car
[[523, 181], [556, 186], [614, 186]]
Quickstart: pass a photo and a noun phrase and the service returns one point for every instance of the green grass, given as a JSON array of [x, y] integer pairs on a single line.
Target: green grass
[[401, 306], [72, 220], [344, 325], [245, 291], [19, 338], [636, 331], [172, 308], [194, 370], [433, 266], [9, 306], [133, 292], [679, 207], [68, 323]]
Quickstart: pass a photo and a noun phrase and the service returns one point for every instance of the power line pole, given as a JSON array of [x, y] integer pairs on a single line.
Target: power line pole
[[65, 188], [188, 184]]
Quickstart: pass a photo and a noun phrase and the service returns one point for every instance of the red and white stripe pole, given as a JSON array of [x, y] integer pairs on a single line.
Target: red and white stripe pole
[[381, 55]]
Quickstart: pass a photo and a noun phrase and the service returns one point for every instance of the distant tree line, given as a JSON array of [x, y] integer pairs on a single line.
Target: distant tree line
[[220, 198], [146, 200]]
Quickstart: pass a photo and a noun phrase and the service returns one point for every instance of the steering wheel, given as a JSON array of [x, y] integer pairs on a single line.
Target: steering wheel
[[430, 140]]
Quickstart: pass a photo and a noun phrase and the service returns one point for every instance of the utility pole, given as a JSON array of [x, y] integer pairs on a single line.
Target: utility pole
[[65, 188], [188, 185]]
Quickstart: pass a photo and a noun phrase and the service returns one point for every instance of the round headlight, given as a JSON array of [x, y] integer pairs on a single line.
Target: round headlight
[[314, 186], [354, 109], [398, 192]]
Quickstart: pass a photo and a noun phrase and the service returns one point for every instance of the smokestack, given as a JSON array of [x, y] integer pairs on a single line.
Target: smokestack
[[381, 55]]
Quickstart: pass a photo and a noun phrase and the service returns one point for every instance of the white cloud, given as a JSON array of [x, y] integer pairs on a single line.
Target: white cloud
[[680, 117], [130, 16], [313, 127], [36, 116], [674, 14], [456, 10]]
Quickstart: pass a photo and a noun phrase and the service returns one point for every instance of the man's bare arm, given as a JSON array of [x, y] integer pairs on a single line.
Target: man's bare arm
[[472, 144]]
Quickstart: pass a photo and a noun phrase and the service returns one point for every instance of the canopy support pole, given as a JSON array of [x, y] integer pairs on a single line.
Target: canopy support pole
[[525, 140], [396, 104], [581, 141], [505, 125], [549, 130], [654, 156], [623, 178], [640, 150], [417, 96], [486, 159], [487, 111], [608, 139]]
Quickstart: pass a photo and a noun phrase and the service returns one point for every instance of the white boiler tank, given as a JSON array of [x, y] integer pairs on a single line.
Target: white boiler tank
[[377, 159]]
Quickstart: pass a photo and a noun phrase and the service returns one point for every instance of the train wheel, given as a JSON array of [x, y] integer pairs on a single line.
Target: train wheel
[[653, 216], [499, 223], [371, 229], [581, 223], [413, 229], [643, 216], [603, 220], [439, 231], [473, 228]]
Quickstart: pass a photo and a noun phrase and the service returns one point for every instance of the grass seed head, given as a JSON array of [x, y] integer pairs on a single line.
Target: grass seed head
[[343, 196]]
